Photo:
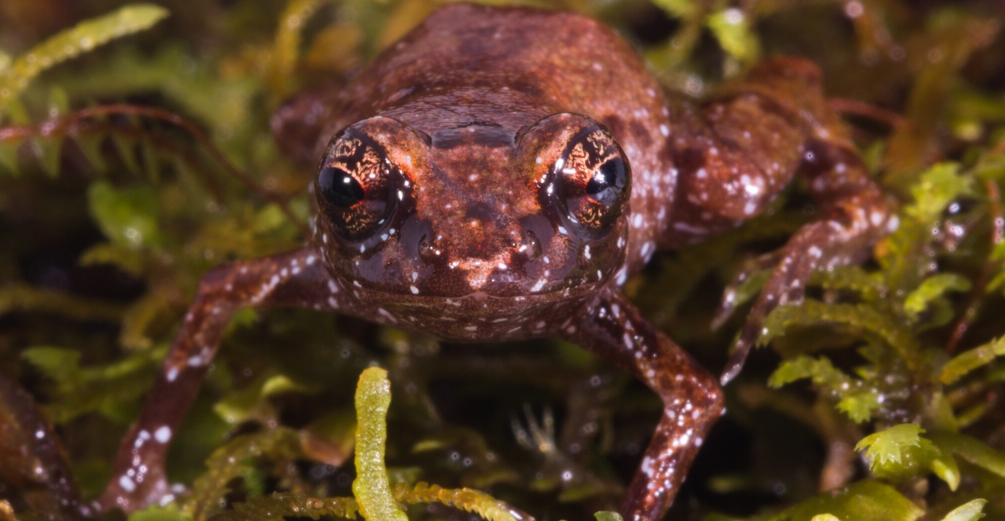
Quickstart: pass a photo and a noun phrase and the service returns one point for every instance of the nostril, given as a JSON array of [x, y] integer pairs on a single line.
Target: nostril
[[537, 232], [531, 246], [417, 238], [427, 248]]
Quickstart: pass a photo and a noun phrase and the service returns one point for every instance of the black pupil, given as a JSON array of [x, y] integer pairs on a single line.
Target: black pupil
[[339, 188], [608, 182]]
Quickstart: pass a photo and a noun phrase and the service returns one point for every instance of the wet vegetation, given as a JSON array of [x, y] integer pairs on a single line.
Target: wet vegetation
[[135, 154]]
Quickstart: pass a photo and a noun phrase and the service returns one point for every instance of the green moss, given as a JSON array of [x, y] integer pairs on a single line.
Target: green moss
[[371, 488], [129, 170], [16, 75]]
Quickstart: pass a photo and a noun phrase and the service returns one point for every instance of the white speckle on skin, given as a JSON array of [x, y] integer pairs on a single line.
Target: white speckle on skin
[[163, 434], [127, 484], [664, 129], [647, 249], [893, 224], [415, 290], [389, 316], [647, 467]]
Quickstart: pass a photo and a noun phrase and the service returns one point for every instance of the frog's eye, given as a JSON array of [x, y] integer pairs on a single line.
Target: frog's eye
[[353, 187], [594, 179]]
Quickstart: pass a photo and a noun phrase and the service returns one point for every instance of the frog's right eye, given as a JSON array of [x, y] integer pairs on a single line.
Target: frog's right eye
[[353, 187]]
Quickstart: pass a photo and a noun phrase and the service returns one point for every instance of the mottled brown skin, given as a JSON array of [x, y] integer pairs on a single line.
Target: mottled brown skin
[[497, 175]]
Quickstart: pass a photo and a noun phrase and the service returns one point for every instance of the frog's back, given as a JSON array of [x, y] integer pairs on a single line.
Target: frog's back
[[505, 65]]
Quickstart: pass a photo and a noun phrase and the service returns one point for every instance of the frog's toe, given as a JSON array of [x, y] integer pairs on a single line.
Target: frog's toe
[[745, 285], [822, 244]]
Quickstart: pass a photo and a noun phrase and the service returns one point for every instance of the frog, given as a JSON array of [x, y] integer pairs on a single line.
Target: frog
[[498, 174]]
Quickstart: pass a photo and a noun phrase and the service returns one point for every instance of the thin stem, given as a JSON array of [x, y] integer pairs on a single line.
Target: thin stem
[[72, 123]]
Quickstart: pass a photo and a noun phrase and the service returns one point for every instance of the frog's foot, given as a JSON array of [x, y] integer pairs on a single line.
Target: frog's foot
[[752, 272], [805, 252], [852, 223]]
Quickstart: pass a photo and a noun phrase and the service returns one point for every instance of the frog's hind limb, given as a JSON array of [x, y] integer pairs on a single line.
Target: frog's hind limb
[[752, 136], [297, 278], [615, 330]]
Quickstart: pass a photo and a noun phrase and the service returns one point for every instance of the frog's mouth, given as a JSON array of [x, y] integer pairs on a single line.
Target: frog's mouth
[[492, 298]]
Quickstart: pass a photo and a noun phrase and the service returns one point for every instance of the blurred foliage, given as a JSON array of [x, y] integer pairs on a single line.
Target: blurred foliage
[[135, 154]]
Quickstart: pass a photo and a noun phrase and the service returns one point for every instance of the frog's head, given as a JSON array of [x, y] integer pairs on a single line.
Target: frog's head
[[474, 209]]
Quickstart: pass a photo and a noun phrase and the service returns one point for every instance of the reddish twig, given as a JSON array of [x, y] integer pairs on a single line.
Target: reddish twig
[[858, 108], [72, 123]]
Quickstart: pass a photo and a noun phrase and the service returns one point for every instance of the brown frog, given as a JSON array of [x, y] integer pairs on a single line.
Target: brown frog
[[497, 175]]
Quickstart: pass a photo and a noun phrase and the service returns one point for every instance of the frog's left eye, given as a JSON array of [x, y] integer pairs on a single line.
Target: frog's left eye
[[353, 187], [593, 179]]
